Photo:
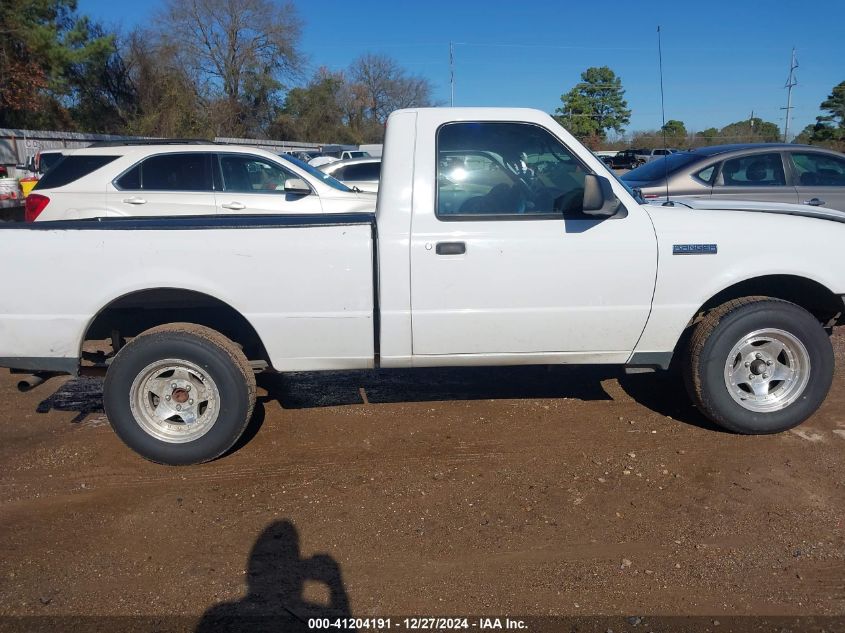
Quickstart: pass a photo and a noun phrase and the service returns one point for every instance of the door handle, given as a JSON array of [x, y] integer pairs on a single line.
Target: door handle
[[451, 248], [134, 200], [814, 202], [234, 206]]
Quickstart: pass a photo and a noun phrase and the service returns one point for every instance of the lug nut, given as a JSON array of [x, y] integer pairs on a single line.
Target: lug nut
[[190, 402], [765, 375], [750, 376], [167, 397], [178, 407], [187, 387], [759, 356], [173, 385], [747, 364], [769, 362]]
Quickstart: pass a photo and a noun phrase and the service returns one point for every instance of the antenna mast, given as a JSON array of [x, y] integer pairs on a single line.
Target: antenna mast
[[665, 160], [452, 73], [791, 82]]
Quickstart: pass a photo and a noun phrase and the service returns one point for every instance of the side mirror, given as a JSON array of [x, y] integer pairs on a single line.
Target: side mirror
[[297, 186], [599, 199]]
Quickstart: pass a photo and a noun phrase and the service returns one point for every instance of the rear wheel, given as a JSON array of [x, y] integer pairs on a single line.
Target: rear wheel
[[759, 365], [179, 394]]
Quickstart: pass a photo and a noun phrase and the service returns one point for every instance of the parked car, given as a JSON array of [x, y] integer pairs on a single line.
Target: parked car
[[340, 153], [626, 159], [353, 153], [648, 155], [334, 153], [363, 173], [303, 155], [322, 159], [554, 262], [773, 172], [156, 178]]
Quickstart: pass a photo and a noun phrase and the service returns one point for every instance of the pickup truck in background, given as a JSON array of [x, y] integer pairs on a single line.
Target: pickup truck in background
[[498, 239], [626, 159], [648, 155]]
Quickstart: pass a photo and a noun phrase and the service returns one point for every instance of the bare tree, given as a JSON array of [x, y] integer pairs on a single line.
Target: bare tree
[[239, 51], [386, 86]]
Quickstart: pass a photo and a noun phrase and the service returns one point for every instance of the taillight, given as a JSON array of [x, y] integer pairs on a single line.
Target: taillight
[[35, 204]]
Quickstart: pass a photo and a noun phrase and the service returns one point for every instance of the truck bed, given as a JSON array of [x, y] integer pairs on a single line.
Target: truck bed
[[306, 284]]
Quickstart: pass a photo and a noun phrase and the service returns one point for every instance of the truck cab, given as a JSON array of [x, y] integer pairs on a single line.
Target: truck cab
[[501, 245]]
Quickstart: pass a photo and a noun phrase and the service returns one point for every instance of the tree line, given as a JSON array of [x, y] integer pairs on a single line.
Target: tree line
[[235, 68], [203, 68], [596, 106]]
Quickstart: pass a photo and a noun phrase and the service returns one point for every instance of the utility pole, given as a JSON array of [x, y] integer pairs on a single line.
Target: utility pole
[[452, 73], [791, 82], [751, 124]]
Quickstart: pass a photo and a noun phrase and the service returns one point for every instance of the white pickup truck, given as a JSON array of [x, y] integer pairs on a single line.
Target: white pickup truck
[[498, 239]]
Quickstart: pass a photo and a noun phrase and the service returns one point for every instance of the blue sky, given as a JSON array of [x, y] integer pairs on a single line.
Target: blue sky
[[721, 58]]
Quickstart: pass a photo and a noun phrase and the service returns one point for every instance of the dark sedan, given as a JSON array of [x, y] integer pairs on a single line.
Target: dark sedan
[[770, 172]]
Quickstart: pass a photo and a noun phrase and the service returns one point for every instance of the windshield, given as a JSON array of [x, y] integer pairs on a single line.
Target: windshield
[[635, 193], [320, 175], [658, 168]]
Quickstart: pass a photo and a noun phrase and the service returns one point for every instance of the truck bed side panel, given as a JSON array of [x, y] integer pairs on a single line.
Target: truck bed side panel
[[307, 290]]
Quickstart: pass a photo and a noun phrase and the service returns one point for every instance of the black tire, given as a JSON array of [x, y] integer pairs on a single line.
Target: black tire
[[218, 357], [712, 342]]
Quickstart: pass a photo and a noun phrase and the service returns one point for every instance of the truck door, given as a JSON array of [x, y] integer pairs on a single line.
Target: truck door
[[504, 263]]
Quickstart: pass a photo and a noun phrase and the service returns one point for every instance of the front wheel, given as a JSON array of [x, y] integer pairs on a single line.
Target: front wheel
[[758, 365], [179, 394]]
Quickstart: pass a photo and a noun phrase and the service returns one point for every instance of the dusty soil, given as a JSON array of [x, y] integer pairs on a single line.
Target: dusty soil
[[514, 490]]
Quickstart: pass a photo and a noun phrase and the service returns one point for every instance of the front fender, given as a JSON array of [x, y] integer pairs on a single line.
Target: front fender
[[748, 246]]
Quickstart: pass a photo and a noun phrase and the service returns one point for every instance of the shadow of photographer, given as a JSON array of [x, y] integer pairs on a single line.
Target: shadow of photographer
[[277, 578]]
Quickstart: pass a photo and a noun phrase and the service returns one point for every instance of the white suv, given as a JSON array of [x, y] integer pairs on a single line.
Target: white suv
[[160, 179]]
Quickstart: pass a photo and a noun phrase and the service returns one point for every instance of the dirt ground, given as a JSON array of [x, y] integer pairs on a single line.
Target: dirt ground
[[532, 491]]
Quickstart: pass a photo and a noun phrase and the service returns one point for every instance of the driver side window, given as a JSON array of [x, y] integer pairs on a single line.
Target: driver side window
[[505, 170]]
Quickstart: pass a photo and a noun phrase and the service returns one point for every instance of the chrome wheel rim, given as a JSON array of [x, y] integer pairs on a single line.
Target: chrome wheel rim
[[174, 400], [767, 370]]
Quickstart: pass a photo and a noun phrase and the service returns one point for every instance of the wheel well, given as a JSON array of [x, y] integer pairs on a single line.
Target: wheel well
[[139, 311], [818, 300]]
